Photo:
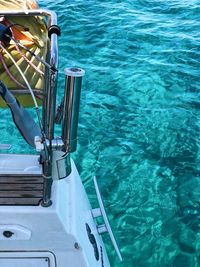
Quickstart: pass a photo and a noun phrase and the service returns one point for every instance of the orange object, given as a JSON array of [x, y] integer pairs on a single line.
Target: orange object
[[17, 34], [33, 4]]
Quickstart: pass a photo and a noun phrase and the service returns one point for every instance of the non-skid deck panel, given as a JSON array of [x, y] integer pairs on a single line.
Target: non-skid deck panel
[[21, 189]]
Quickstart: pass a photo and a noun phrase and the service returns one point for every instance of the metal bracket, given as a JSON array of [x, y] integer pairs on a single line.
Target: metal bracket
[[101, 212], [5, 146]]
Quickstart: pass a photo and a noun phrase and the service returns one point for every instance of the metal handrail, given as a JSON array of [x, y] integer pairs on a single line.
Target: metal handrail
[[27, 92]]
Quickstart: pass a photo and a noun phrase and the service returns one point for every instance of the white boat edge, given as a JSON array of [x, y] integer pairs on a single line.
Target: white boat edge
[[59, 230]]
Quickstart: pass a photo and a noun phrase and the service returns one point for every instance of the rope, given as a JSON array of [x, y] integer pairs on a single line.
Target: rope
[[22, 74], [9, 73]]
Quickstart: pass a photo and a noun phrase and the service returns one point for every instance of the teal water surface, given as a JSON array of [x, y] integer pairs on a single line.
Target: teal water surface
[[139, 121]]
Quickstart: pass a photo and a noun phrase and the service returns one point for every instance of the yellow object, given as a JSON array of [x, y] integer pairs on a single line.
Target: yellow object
[[35, 39]]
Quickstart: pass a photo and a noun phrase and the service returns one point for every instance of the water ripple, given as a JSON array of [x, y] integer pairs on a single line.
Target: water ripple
[[139, 120]]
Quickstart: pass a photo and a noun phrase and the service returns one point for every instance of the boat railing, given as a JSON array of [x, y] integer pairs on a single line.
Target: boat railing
[[54, 152], [50, 88], [49, 103]]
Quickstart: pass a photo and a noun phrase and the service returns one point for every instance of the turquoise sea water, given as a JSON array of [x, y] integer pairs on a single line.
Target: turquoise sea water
[[139, 121]]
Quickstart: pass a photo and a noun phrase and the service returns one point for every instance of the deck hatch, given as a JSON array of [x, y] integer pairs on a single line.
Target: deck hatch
[[24, 262], [27, 259]]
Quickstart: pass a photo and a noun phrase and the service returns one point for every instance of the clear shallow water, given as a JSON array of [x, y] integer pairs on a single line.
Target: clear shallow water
[[139, 121]]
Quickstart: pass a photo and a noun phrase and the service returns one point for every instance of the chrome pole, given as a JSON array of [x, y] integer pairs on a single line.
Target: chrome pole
[[49, 112], [73, 84], [51, 86]]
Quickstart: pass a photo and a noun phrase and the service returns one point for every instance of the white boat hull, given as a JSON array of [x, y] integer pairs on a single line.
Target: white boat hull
[[57, 233]]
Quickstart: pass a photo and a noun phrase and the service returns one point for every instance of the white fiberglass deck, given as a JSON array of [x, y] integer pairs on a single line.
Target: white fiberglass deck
[[60, 229], [19, 164]]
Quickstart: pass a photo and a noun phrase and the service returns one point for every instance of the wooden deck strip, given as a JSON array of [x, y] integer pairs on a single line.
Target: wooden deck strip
[[26, 193], [21, 179], [19, 201], [21, 189]]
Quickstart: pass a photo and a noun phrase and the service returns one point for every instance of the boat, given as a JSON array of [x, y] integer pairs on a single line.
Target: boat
[[46, 218]]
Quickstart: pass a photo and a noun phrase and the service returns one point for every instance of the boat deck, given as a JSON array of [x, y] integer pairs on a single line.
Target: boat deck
[[21, 180], [21, 189]]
